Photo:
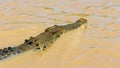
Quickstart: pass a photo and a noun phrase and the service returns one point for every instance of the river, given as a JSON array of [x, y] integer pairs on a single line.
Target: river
[[97, 46]]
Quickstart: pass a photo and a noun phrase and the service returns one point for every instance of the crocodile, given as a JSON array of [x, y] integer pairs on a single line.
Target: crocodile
[[41, 41]]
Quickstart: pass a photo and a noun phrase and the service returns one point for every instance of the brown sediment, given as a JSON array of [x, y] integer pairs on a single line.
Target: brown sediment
[[42, 41]]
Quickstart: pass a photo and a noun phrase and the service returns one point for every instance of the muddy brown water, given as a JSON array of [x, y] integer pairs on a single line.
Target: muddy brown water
[[97, 46]]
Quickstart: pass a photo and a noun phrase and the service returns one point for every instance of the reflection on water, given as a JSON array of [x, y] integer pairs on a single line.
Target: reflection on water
[[100, 44]]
